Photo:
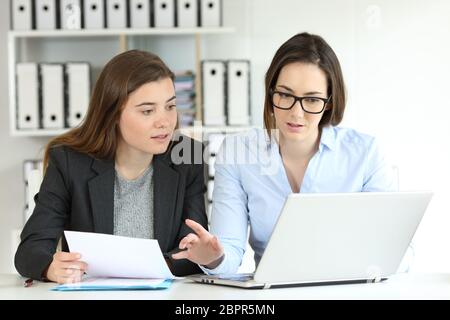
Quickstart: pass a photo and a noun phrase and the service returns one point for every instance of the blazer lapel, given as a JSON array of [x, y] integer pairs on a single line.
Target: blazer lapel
[[165, 188], [101, 192]]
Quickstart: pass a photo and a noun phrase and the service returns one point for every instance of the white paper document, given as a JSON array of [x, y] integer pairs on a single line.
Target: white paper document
[[119, 257]]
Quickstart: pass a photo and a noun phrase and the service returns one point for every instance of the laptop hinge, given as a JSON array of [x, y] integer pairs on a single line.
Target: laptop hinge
[[377, 279], [266, 286]]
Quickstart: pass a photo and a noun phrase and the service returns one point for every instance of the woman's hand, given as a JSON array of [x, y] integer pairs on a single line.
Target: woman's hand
[[201, 248], [66, 267]]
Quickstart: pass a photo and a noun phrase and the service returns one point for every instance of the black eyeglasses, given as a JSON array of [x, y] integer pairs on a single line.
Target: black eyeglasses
[[309, 104]]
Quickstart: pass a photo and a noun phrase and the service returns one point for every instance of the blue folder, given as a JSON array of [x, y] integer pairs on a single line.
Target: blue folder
[[105, 284]]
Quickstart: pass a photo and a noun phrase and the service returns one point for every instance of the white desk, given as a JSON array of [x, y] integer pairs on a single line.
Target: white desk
[[403, 286]]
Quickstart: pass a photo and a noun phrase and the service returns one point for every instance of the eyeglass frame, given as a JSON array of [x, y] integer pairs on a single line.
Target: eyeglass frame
[[300, 99]]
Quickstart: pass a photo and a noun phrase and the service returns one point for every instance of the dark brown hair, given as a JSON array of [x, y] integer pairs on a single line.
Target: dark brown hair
[[97, 134], [308, 48]]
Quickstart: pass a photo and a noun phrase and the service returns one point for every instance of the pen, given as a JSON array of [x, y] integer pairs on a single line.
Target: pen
[[28, 283]]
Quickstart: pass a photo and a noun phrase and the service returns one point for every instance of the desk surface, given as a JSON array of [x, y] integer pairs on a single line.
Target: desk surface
[[402, 286]]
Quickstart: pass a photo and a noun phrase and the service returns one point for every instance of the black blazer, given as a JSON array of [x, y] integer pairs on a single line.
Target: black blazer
[[77, 193]]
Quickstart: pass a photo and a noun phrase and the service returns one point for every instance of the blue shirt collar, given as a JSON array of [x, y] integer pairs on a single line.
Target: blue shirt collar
[[327, 138]]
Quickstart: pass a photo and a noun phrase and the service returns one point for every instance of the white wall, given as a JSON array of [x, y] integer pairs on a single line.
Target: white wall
[[395, 57], [402, 69]]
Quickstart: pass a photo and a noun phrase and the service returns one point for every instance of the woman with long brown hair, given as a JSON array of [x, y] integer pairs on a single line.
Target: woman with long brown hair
[[115, 173]]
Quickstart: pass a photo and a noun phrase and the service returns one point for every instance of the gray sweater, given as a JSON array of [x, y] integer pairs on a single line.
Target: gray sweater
[[133, 205]]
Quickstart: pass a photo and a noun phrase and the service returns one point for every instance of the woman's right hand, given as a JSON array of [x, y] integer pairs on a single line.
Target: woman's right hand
[[202, 247], [66, 267]]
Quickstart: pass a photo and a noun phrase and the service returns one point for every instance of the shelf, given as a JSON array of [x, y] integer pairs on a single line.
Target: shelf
[[118, 32], [213, 129], [185, 130], [38, 132]]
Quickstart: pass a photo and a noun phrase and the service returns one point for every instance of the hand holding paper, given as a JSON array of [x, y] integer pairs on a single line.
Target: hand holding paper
[[119, 257], [118, 263]]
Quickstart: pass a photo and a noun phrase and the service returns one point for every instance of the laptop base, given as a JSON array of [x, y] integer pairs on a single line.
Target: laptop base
[[251, 284]]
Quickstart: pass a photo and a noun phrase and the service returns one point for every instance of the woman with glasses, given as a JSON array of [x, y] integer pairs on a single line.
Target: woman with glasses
[[300, 150]]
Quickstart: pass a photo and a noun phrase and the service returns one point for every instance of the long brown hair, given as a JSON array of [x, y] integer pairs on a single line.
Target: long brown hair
[[308, 48], [97, 134]]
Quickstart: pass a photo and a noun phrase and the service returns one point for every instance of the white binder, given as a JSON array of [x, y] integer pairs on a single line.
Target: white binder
[[140, 11], [238, 92], [78, 92], [187, 13], [34, 184], [116, 14], [209, 210], [210, 13], [28, 167], [211, 169], [215, 141], [45, 14], [33, 179], [94, 14], [70, 14], [52, 90], [213, 75], [27, 96], [164, 13], [210, 189], [22, 14]]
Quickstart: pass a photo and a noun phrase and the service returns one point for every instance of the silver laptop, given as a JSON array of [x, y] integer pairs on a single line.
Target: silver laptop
[[335, 238]]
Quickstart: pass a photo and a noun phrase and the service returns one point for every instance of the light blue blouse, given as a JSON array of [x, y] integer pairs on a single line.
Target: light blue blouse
[[251, 186]]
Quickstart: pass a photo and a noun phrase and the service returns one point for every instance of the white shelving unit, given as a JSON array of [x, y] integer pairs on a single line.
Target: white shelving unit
[[18, 39], [119, 32], [200, 132]]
